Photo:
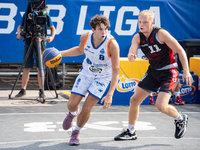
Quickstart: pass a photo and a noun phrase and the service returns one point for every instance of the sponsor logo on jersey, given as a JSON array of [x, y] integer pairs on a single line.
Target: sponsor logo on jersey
[[89, 50], [95, 69], [99, 84], [102, 51], [78, 81], [126, 85], [100, 90], [88, 61], [151, 40], [100, 65]]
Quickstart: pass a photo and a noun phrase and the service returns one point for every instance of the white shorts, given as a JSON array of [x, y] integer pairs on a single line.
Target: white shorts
[[96, 86]]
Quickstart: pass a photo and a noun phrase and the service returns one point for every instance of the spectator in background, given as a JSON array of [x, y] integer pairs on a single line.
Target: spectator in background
[[26, 26]]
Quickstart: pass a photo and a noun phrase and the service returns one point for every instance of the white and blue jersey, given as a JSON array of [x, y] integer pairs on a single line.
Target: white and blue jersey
[[96, 72], [97, 60]]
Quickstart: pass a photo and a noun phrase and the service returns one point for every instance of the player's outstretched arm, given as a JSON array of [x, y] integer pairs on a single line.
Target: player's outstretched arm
[[77, 50], [134, 47]]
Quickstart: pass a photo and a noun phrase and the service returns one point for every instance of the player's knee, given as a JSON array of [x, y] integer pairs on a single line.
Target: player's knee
[[161, 108], [71, 105], [133, 101]]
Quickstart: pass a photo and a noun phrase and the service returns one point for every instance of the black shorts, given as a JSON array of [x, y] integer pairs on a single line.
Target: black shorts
[[166, 80]]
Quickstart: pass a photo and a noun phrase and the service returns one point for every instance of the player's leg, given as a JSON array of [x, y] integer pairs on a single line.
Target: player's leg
[[181, 120], [82, 119], [135, 101], [163, 106], [73, 107], [86, 109], [170, 78], [96, 91], [79, 90], [147, 84]]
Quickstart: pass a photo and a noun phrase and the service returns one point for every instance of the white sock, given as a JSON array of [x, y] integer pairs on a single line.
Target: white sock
[[177, 94], [131, 128], [151, 94], [179, 117], [77, 128], [73, 113]]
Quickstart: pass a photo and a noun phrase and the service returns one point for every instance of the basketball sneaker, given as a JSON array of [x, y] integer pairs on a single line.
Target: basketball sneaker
[[74, 141], [68, 121], [178, 101], [126, 135], [181, 126], [21, 93], [151, 102]]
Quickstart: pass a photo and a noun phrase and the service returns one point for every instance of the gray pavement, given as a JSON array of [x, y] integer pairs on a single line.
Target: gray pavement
[[27, 124]]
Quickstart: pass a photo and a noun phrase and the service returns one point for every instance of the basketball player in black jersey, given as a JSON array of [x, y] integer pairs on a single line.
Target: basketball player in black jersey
[[159, 47]]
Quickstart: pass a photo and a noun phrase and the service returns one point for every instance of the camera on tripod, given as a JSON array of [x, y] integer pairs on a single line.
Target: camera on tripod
[[39, 11], [36, 19]]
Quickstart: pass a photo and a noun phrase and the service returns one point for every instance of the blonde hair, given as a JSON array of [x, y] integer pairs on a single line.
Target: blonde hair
[[147, 13]]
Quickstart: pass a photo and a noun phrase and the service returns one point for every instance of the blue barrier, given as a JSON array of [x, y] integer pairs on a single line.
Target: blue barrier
[[189, 94]]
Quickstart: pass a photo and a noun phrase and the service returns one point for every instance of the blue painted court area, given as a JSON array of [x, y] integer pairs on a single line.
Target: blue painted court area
[[29, 125]]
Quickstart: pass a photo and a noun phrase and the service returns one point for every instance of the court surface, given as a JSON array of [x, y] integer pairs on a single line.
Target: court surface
[[29, 125]]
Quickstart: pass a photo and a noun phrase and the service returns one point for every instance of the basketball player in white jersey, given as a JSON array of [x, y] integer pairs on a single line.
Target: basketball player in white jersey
[[100, 68]]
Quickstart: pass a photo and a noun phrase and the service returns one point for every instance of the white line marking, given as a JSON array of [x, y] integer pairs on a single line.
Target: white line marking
[[93, 113]]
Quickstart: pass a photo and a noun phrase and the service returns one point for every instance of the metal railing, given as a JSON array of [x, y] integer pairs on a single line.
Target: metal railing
[[63, 73]]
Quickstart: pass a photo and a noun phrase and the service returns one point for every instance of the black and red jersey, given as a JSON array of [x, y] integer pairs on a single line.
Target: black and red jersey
[[159, 55]]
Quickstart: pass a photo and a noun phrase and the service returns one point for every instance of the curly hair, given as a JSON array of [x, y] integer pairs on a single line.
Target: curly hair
[[97, 20]]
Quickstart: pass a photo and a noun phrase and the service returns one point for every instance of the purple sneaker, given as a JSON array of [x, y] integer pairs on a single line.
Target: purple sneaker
[[68, 121], [74, 141]]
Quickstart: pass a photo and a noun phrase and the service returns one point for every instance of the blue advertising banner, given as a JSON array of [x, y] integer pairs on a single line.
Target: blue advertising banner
[[71, 19]]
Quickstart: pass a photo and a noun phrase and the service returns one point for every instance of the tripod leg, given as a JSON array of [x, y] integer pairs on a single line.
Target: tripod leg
[[39, 50], [22, 66], [52, 81], [50, 75]]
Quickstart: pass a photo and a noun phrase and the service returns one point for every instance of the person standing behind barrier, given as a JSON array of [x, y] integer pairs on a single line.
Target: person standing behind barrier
[[159, 47], [178, 99], [100, 69], [29, 63]]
